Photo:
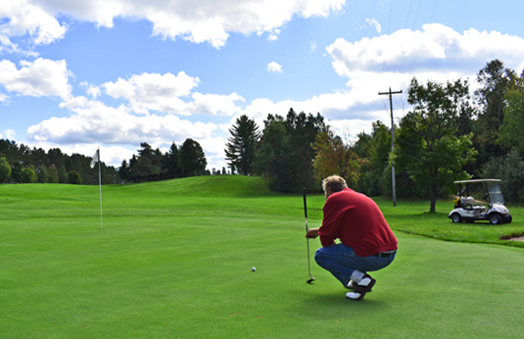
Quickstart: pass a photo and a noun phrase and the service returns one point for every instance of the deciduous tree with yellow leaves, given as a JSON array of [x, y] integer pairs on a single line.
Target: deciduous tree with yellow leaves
[[334, 156]]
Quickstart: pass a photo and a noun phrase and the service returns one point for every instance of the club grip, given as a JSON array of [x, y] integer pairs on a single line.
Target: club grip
[[305, 204]]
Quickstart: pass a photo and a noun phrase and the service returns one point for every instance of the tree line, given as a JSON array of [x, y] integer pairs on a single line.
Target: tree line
[[22, 164], [152, 165], [446, 136]]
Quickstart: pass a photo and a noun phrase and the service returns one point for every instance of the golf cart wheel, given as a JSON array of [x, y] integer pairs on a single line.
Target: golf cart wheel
[[495, 219], [456, 218]]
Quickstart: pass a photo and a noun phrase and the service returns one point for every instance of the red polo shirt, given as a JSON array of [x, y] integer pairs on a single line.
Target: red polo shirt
[[357, 221]]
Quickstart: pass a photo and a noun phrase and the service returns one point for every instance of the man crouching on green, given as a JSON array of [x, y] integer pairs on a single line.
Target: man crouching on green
[[366, 241]]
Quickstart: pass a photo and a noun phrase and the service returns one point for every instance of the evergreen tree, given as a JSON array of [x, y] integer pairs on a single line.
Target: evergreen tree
[[241, 145], [148, 165], [192, 158], [285, 152], [124, 171], [303, 130], [56, 157], [16, 173], [272, 158], [172, 162]]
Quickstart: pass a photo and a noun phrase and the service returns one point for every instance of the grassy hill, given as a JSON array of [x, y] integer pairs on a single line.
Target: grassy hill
[[174, 260]]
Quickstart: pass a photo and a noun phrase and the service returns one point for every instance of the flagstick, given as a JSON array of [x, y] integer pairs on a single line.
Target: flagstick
[[100, 185]]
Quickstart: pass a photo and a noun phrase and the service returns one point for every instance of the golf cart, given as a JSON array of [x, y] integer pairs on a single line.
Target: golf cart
[[469, 209]]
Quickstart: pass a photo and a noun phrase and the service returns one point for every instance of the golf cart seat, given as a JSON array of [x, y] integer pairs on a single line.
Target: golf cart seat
[[464, 202], [467, 209]]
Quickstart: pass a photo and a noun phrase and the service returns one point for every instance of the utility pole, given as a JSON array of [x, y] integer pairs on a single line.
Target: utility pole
[[392, 141]]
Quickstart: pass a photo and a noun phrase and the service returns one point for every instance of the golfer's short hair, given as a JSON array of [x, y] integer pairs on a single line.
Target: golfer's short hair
[[334, 183]]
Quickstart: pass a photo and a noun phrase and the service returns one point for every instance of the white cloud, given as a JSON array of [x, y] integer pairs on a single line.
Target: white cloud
[[8, 134], [168, 93], [26, 18], [195, 21], [112, 155], [152, 84], [198, 21], [91, 90], [332, 106], [215, 104], [435, 47], [134, 121], [120, 133], [273, 67], [214, 150], [312, 46], [3, 97], [375, 23], [273, 34], [94, 122], [41, 77], [436, 53], [350, 129], [155, 92]]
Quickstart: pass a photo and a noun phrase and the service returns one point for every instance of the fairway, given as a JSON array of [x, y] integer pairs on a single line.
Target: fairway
[[174, 260]]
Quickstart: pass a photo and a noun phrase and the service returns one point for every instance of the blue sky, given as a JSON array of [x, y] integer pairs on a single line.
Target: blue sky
[[115, 73]]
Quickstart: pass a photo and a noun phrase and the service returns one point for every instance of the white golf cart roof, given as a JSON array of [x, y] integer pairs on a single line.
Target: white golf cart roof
[[476, 181]]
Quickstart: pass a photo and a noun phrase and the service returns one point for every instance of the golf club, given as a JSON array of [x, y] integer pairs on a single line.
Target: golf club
[[307, 242]]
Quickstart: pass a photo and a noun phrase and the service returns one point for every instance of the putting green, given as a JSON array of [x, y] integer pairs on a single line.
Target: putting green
[[174, 261]]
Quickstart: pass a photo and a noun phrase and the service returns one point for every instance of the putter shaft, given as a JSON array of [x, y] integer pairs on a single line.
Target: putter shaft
[[307, 242]]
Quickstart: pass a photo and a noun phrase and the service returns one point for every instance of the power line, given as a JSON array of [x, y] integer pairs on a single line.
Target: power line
[[434, 9], [400, 66], [416, 15], [389, 28], [430, 19], [409, 12], [390, 12]]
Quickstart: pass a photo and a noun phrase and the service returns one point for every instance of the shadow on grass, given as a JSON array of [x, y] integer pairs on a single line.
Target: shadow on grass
[[326, 303]]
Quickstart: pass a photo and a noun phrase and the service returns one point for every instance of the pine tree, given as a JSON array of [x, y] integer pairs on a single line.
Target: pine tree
[[240, 148], [192, 158]]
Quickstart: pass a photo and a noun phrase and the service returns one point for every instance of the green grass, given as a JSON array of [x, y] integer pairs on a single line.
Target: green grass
[[174, 261]]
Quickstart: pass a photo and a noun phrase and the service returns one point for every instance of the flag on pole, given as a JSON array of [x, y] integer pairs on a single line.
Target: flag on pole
[[95, 159]]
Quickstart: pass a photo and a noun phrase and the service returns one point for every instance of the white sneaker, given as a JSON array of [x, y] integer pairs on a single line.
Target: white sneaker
[[363, 286], [355, 295], [367, 282]]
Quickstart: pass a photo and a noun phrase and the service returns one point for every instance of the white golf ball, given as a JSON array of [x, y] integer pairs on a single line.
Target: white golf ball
[[253, 269]]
